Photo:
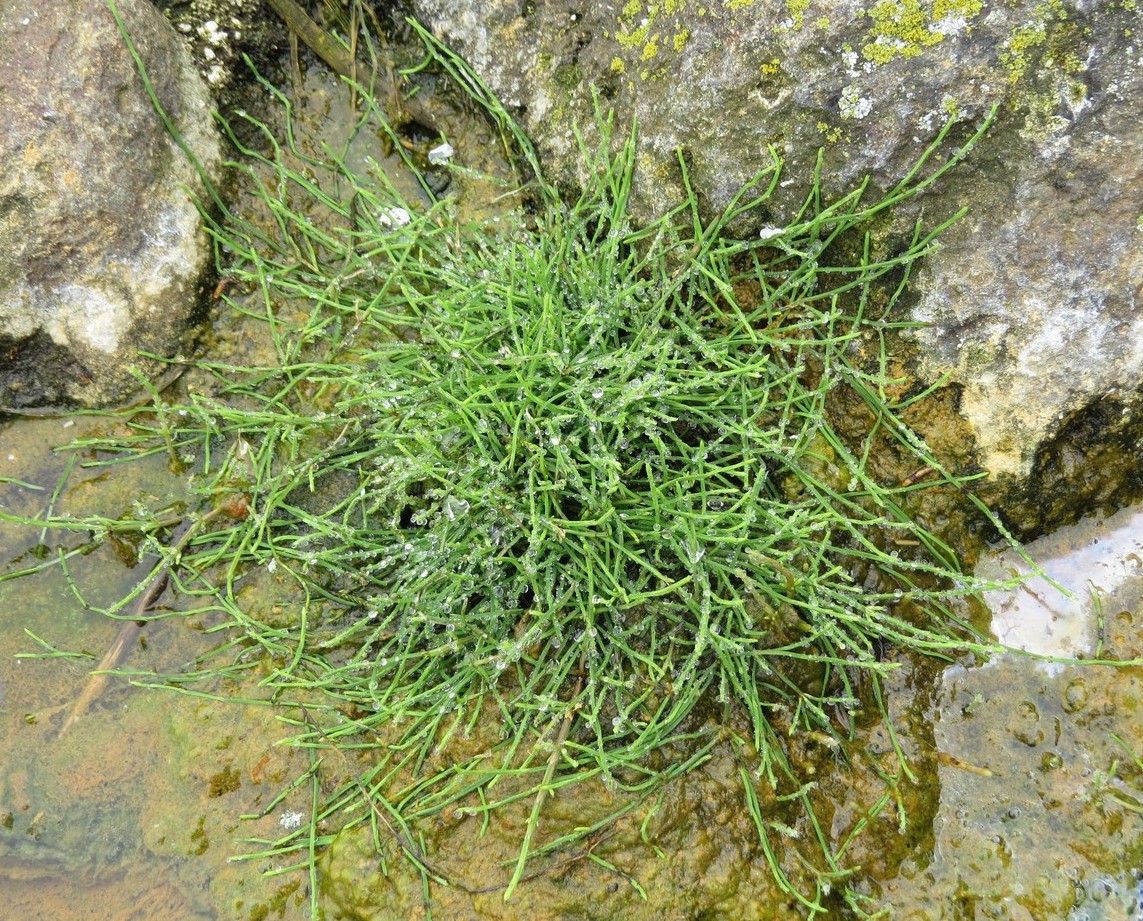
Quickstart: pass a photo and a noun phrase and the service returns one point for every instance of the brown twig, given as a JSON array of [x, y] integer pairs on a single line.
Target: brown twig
[[344, 62], [129, 630], [545, 786]]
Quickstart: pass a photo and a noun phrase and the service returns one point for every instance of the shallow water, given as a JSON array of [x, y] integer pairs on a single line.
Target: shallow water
[[136, 808], [1088, 568], [1034, 803], [1040, 801]]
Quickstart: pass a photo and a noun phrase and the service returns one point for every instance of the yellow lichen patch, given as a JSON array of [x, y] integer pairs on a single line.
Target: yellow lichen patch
[[632, 38], [904, 28], [1073, 65], [636, 23], [796, 10], [1015, 56], [1048, 39], [831, 133]]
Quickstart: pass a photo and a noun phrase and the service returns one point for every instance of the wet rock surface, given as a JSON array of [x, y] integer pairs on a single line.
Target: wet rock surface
[[1032, 755], [220, 32], [1039, 772], [1031, 304], [102, 248]]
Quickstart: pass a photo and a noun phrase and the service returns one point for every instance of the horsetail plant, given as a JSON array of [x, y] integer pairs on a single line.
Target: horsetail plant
[[572, 472]]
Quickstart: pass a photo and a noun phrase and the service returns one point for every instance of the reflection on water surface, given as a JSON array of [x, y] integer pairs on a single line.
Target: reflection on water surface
[[1095, 561]]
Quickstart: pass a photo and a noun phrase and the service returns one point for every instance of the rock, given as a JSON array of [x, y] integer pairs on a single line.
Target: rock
[[220, 33], [1032, 300], [102, 250]]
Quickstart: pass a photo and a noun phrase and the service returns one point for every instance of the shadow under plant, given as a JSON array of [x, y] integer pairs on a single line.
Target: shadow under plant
[[567, 511]]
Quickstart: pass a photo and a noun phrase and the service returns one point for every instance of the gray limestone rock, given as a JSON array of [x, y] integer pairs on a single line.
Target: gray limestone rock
[[1033, 303], [102, 249]]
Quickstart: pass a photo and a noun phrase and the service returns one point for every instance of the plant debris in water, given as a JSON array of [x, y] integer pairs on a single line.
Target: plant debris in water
[[574, 472]]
